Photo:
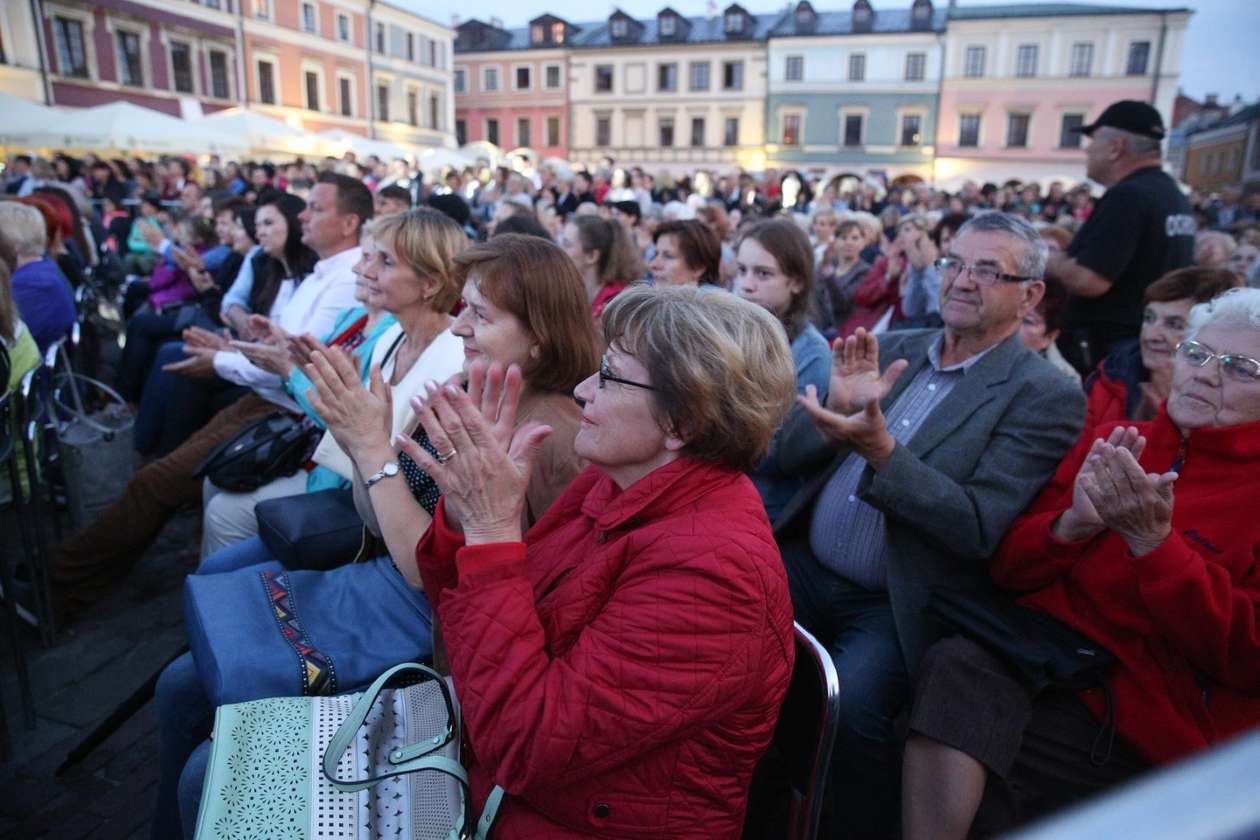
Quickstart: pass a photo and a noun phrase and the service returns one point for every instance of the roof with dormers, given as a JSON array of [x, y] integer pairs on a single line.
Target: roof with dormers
[[841, 23], [1027, 10], [704, 30]]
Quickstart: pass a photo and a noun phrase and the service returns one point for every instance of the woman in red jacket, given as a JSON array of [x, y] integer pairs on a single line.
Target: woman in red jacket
[[1168, 582], [621, 667]]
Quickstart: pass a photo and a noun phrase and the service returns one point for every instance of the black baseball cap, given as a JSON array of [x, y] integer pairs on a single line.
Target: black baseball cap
[[1128, 115]]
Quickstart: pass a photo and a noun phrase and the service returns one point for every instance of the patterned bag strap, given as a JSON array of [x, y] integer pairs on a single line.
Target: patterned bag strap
[[406, 760]]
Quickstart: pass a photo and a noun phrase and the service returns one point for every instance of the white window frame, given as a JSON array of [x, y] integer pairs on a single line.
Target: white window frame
[[708, 75], [485, 129], [661, 64], [1128, 53], [228, 75], [387, 82], [612, 79], [380, 38], [317, 68], [409, 46], [788, 63], [849, 67], [342, 17], [669, 26], [854, 111], [743, 76], [978, 50], [354, 93], [607, 117], [922, 68], [559, 68], [537, 34], [526, 142], [87, 25], [1086, 52], [276, 82], [262, 9], [194, 52], [618, 27], [1028, 127], [314, 27], [1019, 60], [459, 79], [142, 39], [733, 22], [527, 67], [547, 144], [490, 68], [979, 115], [672, 119], [726, 118], [784, 112], [410, 90], [902, 113]]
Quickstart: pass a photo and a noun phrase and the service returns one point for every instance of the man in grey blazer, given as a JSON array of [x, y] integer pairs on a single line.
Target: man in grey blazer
[[929, 445]]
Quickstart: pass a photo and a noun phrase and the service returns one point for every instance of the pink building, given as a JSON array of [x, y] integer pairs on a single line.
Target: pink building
[[512, 86], [1018, 79], [149, 53]]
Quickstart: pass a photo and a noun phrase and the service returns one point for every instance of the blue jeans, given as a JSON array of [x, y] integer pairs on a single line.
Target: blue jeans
[[856, 626], [185, 718], [239, 555]]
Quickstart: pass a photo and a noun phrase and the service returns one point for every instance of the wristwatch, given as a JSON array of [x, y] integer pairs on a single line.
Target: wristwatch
[[391, 468]]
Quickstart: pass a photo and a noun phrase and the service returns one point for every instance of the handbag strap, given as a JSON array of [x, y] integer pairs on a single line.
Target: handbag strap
[[406, 760]]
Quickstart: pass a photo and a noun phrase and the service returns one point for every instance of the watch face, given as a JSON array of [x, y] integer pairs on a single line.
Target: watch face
[[390, 469]]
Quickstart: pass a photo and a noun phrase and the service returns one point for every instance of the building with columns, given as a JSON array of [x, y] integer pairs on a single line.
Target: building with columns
[[413, 100], [512, 85], [671, 92], [1018, 78], [855, 90], [152, 53]]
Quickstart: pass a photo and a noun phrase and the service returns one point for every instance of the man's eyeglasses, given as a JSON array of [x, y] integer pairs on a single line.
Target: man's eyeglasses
[[984, 275], [1240, 368], [606, 375]]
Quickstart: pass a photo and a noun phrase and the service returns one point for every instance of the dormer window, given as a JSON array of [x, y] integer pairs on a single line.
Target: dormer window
[[862, 14], [557, 33], [805, 14], [537, 33], [618, 27], [922, 11], [669, 26], [734, 23]]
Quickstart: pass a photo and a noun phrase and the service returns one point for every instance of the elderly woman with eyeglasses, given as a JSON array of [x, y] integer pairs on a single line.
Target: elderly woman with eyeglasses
[[1147, 542], [621, 665]]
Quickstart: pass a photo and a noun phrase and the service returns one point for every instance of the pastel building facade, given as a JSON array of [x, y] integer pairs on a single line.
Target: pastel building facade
[[20, 53], [146, 52], [413, 100], [1225, 153], [671, 92], [855, 90], [305, 62], [512, 85], [1018, 78]]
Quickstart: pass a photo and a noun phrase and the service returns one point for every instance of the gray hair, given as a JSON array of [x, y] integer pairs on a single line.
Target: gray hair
[[23, 225], [1036, 252], [1239, 306], [1139, 146]]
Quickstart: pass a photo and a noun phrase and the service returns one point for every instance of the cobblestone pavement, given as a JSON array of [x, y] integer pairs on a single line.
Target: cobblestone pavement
[[97, 664]]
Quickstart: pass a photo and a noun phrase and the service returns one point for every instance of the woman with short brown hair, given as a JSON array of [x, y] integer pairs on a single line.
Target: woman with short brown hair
[[687, 253]]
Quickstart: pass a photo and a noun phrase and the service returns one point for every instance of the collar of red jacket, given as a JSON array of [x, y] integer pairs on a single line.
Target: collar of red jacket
[[1240, 442], [677, 483]]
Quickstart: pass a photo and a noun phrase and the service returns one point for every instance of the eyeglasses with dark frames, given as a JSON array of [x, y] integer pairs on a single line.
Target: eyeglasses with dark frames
[[984, 275], [1240, 368], [606, 375]]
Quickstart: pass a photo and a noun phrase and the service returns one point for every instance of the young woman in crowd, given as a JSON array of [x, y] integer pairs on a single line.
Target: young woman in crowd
[[1145, 541], [687, 253], [775, 270], [622, 664], [15, 338], [407, 271], [523, 306], [603, 254], [840, 273], [1135, 377]]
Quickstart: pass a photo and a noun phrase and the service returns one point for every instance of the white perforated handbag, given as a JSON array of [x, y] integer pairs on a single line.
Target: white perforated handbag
[[345, 767]]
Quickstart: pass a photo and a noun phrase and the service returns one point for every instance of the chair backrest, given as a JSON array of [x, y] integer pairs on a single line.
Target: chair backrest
[[806, 731]]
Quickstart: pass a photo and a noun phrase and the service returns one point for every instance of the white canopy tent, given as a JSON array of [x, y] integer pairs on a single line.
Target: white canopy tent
[[128, 127], [483, 150], [29, 125], [263, 134], [435, 159], [339, 142]]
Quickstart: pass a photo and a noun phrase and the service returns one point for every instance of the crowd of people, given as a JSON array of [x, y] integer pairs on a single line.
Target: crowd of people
[[607, 435]]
